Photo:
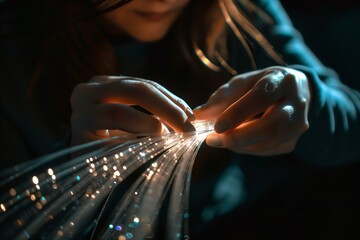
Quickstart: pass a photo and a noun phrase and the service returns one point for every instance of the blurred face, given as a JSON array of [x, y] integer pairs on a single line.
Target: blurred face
[[145, 20]]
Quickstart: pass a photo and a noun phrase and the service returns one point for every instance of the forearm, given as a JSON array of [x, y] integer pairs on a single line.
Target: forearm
[[334, 134]]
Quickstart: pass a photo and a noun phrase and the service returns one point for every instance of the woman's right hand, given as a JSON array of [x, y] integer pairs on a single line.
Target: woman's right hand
[[105, 103]]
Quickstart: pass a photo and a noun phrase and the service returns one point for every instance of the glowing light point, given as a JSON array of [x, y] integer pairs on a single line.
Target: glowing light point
[[136, 221], [60, 233], [50, 171], [38, 205], [163, 150], [129, 235], [32, 197], [35, 180], [12, 192]]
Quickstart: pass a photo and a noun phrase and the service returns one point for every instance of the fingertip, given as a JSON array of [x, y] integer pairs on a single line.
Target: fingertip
[[188, 127], [214, 140], [221, 126]]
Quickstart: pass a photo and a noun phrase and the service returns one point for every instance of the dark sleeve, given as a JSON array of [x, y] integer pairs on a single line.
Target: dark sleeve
[[334, 134]]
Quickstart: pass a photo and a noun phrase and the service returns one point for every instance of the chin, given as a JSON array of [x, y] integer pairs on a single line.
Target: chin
[[149, 37]]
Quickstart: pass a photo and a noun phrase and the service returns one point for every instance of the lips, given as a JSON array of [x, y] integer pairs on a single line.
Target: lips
[[153, 16]]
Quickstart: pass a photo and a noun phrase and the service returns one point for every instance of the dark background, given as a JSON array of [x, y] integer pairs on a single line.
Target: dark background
[[331, 28]]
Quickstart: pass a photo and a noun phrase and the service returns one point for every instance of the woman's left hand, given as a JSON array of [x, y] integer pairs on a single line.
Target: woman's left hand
[[260, 113]]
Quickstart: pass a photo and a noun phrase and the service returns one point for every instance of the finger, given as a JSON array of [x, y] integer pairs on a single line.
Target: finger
[[247, 134], [280, 123], [134, 92], [215, 105], [228, 93], [178, 101], [265, 93]]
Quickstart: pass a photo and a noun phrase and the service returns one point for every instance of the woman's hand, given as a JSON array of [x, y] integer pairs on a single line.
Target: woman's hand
[[105, 103], [260, 113]]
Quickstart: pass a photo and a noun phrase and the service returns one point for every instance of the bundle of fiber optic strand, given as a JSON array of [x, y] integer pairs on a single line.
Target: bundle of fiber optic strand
[[66, 195]]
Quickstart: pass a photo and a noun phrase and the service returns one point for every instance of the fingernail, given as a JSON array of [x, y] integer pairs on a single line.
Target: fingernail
[[190, 114], [214, 141], [221, 126]]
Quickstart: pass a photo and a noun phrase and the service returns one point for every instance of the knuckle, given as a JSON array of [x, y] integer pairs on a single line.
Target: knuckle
[[276, 70], [290, 81], [305, 126], [138, 88], [287, 112], [263, 88], [303, 103]]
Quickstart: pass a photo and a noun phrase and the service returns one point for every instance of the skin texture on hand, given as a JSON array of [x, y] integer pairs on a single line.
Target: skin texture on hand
[[105, 103], [260, 113]]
